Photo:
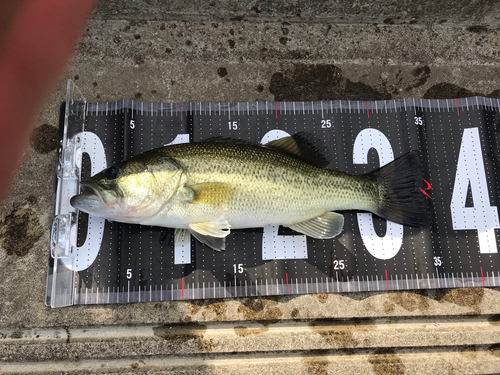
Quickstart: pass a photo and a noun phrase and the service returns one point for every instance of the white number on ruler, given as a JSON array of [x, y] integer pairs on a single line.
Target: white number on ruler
[[238, 268], [273, 245], [326, 124], [132, 124], [338, 264], [438, 261], [388, 246], [233, 125], [87, 253], [182, 246], [129, 273], [470, 172], [419, 120]]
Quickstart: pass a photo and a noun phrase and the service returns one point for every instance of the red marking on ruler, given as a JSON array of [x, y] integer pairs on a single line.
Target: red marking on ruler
[[182, 288], [428, 187], [482, 277], [276, 109], [181, 120], [386, 280], [367, 111], [456, 101], [286, 275]]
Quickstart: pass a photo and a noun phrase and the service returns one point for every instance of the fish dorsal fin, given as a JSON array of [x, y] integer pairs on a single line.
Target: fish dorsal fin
[[231, 141], [328, 225], [304, 145]]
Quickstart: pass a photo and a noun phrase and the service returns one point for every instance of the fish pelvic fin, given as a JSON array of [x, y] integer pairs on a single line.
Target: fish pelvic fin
[[328, 225], [211, 233], [218, 244], [182, 237], [402, 200], [219, 228]]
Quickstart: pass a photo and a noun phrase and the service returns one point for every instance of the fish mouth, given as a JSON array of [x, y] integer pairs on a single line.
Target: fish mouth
[[90, 199]]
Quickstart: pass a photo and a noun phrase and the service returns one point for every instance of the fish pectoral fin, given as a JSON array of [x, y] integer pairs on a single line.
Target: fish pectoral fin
[[328, 225], [212, 193], [216, 243]]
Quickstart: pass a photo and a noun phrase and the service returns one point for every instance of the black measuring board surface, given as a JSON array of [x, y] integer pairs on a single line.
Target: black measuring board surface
[[458, 140]]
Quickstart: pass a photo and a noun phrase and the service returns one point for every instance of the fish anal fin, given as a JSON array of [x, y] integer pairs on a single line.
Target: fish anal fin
[[304, 145], [213, 193], [328, 225]]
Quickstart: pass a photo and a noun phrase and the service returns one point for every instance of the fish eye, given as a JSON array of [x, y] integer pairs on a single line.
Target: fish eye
[[112, 173]]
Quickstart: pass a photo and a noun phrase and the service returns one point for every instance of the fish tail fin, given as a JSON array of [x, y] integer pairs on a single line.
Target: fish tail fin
[[402, 200]]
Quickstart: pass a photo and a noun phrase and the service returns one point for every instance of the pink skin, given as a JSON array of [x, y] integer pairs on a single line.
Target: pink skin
[[36, 41]]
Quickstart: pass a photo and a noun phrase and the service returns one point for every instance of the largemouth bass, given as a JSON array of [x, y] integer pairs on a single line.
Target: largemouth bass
[[211, 187]]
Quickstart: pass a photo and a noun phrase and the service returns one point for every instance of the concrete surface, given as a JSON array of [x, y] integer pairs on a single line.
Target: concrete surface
[[246, 51]]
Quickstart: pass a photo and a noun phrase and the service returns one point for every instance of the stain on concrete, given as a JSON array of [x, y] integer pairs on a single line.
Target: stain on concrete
[[231, 43], [139, 59], [467, 297], [494, 94], [468, 351], [307, 82], [361, 91], [386, 362], [295, 313], [303, 82], [44, 138], [421, 75], [316, 366], [477, 29], [16, 335], [495, 350], [194, 306], [322, 297], [260, 309], [222, 72], [244, 331], [494, 320], [446, 91], [410, 301], [20, 231], [180, 335], [68, 334], [208, 308], [342, 337], [218, 307]]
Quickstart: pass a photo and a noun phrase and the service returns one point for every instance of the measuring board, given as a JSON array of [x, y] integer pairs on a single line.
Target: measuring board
[[94, 261]]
